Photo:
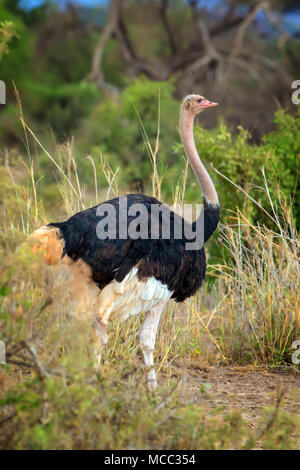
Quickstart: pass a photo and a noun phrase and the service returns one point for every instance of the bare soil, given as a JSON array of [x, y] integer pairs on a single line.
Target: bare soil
[[247, 388]]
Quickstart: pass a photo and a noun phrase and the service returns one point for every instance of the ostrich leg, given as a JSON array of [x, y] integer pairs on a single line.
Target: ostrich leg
[[147, 337], [100, 338]]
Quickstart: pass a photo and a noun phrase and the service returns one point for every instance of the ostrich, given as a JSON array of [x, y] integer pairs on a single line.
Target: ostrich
[[128, 275]]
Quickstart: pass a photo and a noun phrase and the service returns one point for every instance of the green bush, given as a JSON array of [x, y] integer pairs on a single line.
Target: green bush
[[242, 162], [115, 129], [62, 106], [283, 146]]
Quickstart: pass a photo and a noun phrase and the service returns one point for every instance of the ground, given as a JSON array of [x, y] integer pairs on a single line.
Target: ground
[[248, 388]]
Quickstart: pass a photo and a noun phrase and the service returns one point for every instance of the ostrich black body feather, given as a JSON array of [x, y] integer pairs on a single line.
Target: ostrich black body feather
[[167, 260]]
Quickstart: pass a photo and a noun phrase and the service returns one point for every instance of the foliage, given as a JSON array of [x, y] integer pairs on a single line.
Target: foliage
[[7, 32], [63, 105], [245, 164], [283, 147], [110, 413], [41, 66], [118, 129], [16, 38]]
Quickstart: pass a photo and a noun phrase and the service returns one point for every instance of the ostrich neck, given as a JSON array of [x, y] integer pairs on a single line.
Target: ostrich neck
[[187, 137]]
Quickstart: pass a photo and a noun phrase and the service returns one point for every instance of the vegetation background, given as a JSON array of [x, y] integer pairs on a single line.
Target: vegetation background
[[93, 90]]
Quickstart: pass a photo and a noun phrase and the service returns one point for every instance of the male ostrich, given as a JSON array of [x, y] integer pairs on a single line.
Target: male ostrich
[[130, 275]]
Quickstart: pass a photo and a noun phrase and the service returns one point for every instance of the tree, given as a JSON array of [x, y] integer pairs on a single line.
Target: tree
[[200, 54]]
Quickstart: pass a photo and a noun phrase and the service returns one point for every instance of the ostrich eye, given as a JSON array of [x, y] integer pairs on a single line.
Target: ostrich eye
[[198, 100]]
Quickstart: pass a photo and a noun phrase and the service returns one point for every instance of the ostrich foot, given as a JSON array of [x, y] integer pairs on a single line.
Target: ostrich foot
[[151, 380]]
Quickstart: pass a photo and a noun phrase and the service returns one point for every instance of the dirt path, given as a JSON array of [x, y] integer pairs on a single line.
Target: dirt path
[[247, 388]]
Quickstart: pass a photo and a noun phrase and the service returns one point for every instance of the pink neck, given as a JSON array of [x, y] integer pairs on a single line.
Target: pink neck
[[187, 138]]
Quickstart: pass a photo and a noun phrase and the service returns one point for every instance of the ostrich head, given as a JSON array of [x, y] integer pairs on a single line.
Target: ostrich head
[[194, 104]]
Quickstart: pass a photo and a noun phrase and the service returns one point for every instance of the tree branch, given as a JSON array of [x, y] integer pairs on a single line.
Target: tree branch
[[43, 373], [239, 38], [211, 51], [164, 4], [275, 22], [96, 73], [130, 56]]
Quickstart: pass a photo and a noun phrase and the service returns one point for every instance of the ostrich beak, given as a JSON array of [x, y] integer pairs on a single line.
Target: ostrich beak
[[208, 104]]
